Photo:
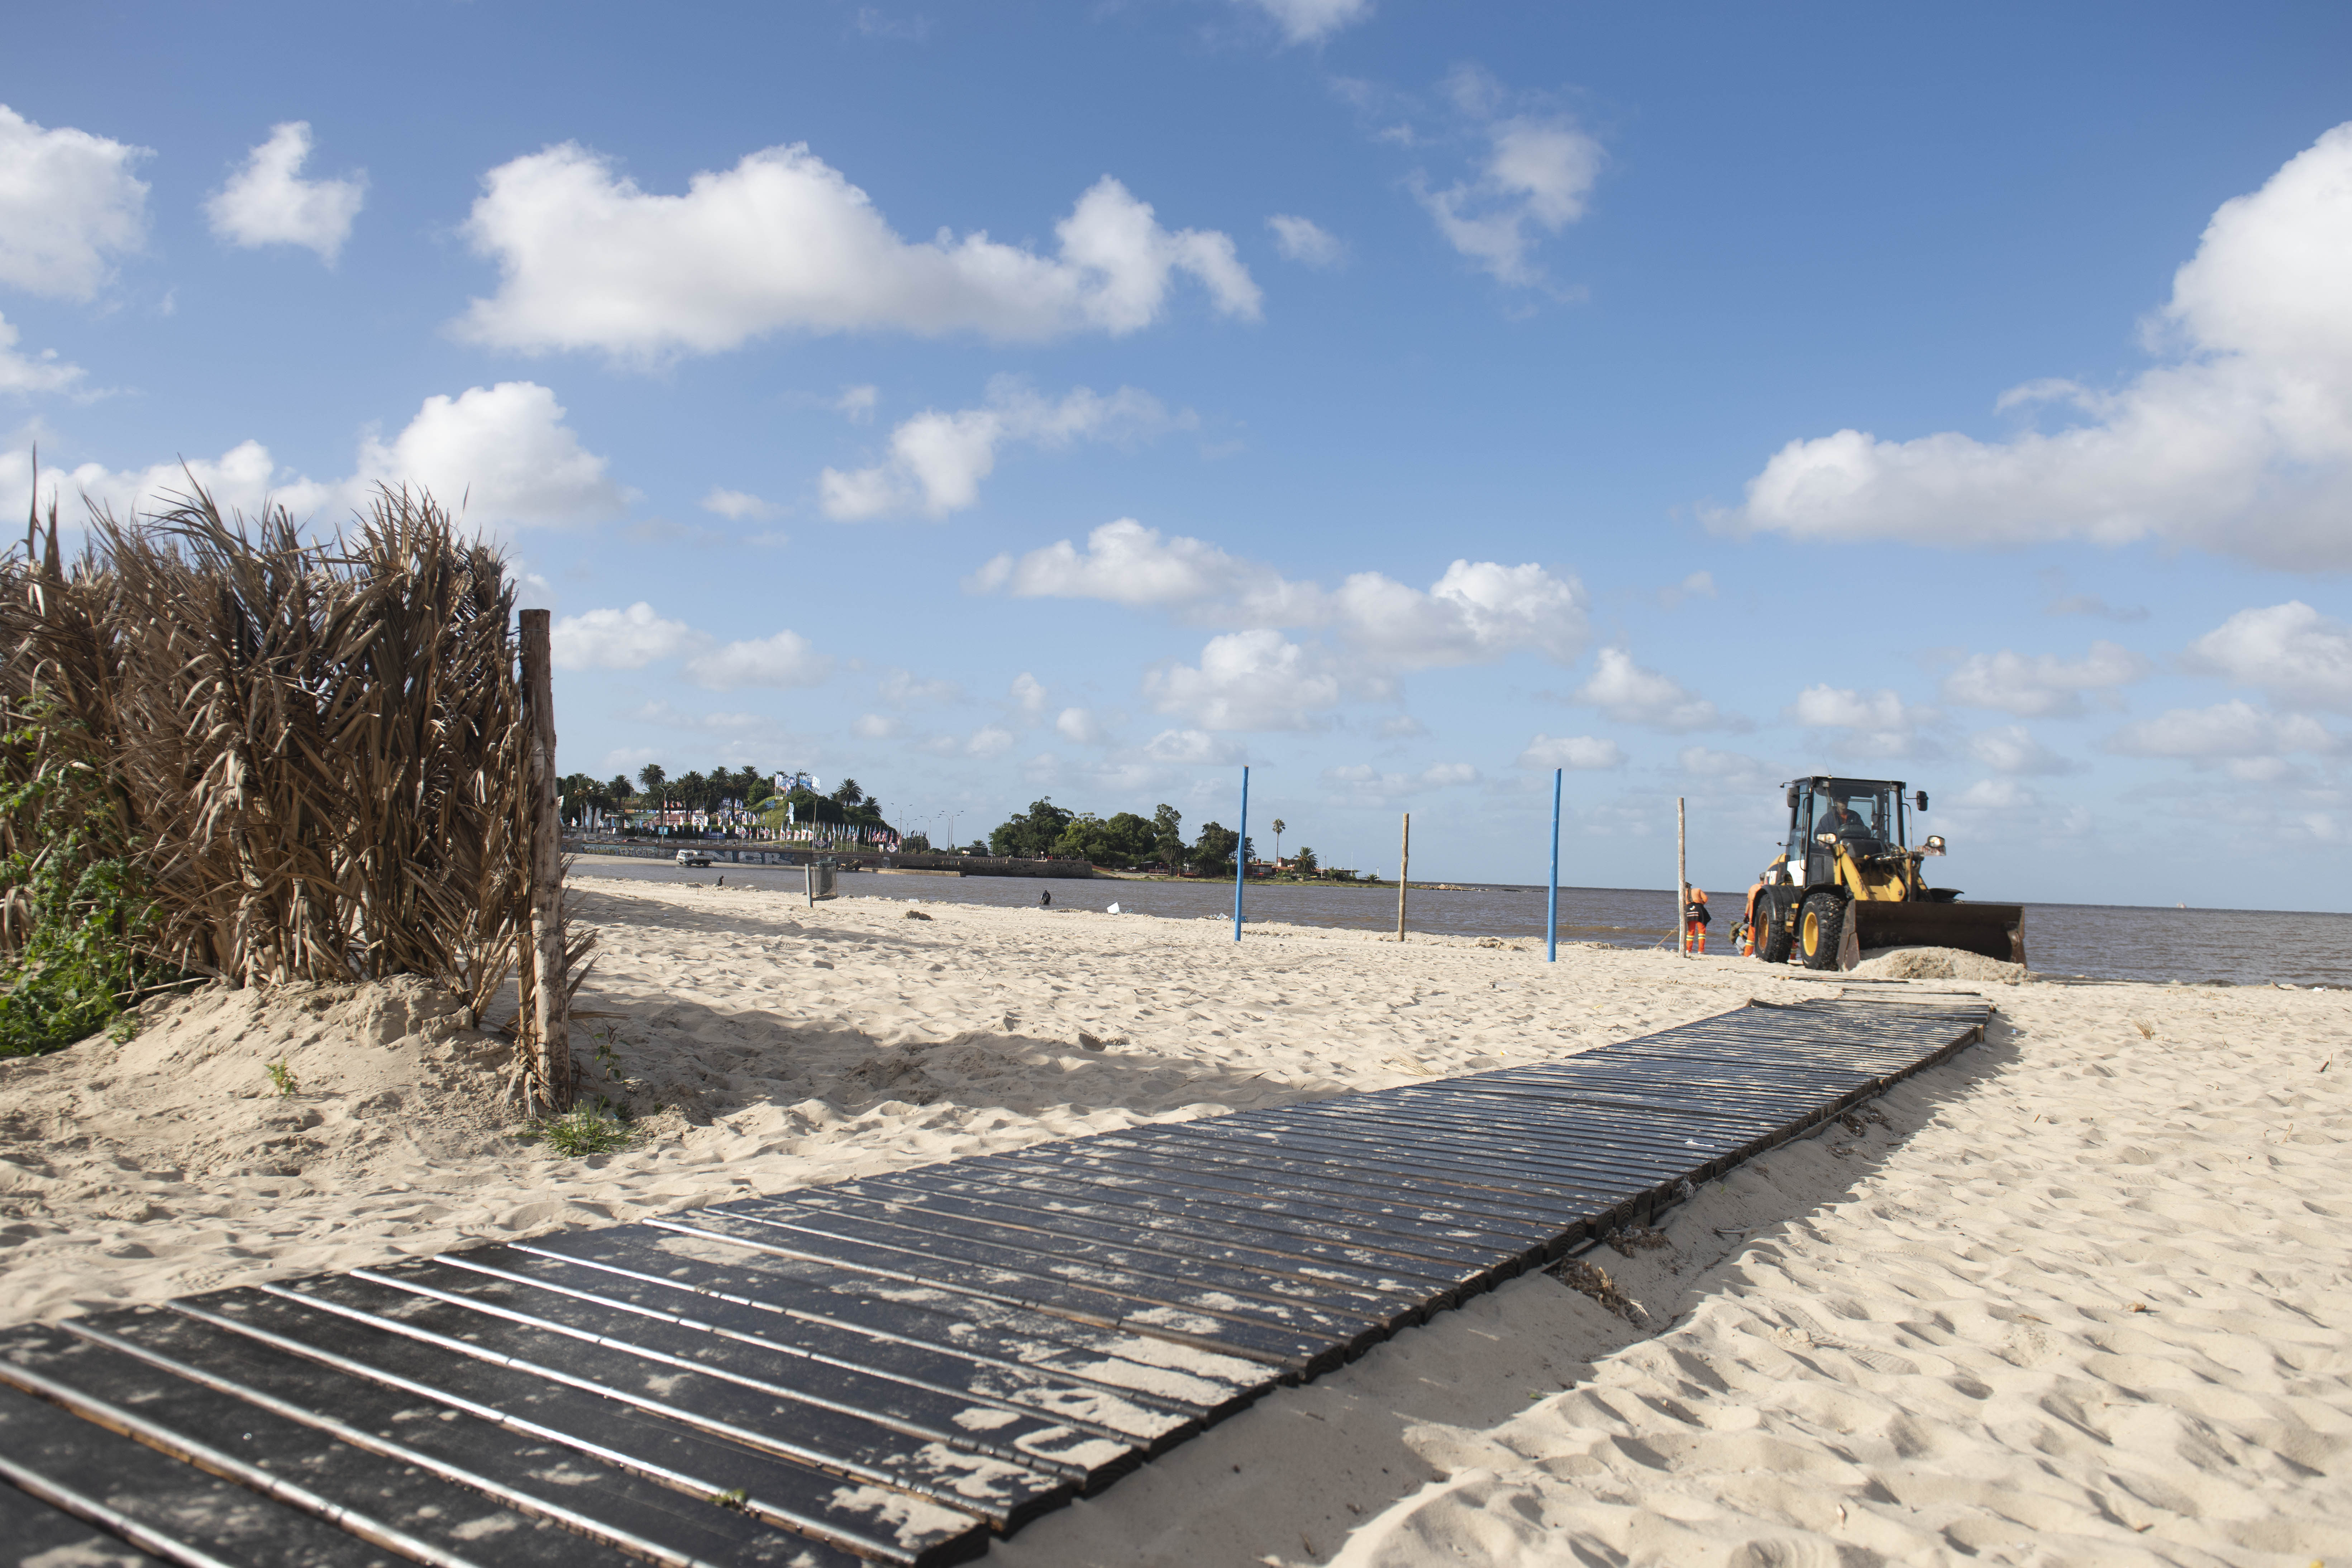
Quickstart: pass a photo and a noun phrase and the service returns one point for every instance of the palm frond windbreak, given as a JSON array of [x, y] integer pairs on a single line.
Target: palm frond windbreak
[[317, 752]]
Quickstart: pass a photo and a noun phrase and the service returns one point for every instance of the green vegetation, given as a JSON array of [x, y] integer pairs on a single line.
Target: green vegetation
[[76, 904], [600, 1129], [1123, 841], [281, 1079]]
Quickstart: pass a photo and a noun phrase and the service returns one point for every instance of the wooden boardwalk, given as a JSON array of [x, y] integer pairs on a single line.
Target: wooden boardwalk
[[894, 1369]]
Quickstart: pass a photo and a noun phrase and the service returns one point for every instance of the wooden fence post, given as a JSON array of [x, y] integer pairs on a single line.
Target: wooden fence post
[[1404, 871], [549, 1005], [1682, 882]]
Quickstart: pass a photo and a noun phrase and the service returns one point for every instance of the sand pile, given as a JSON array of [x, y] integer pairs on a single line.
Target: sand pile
[[1934, 963]]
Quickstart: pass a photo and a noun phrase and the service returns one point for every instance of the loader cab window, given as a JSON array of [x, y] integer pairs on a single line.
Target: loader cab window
[[1866, 816]]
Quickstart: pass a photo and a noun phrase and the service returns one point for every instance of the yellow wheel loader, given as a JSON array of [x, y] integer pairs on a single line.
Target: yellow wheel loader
[[1849, 881]]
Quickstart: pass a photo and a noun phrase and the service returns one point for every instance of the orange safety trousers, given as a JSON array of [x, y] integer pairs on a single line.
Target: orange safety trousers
[[1697, 933]]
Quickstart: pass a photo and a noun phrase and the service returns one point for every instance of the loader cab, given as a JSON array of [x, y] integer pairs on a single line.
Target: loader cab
[[1867, 816]]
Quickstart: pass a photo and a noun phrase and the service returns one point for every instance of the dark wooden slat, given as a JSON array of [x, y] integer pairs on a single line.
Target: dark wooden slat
[[901, 1527], [1477, 1198], [1200, 1382], [393, 1505], [1297, 1353], [1000, 1490], [35, 1535], [168, 1509], [1140, 1423], [575, 1489], [958, 1420], [1519, 1182], [1271, 1294]]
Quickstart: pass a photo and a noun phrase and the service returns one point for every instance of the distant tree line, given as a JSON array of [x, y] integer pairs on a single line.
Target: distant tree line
[[1123, 840], [749, 788]]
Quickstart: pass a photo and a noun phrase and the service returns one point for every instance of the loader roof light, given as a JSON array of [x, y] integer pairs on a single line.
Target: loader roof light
[[1935, 844]]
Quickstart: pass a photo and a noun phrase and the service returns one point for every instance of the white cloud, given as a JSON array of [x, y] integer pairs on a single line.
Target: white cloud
[[1633, 695], [988, 741], [1538, 171], [1080, 726], [503, 454], [874, 727], [2012, 749], [68, 205], [2233, 731], [25, 374], [903, 688], [1736, 773], [619, 639], [937, 459], [267, 202], [1697, 585], [857, 403], [1304, 241], [1368, 785], [1878, 723], [1028, 694], [1404, 726], [2240, 442], [1311, 21], [1248, 680], [2041, 686], [2297, 657], [740, 504], [785, 659], [1193, 748], [781, 241], [1477, 612], [1576, 752]]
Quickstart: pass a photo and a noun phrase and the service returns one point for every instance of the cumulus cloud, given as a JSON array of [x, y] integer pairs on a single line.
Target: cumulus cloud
[[1477, 612], [619, 639], [1697, 585], [857, 403], [1249, 681], [2240, 442], [785, 659], [2041, 686], [1028, 694], [904, 688], [740, 505], [874, 727], [267, 202], [1311, 21], [988, 741], [1080, 726], [2295, 656], [2235, 733], [2011, 749], [1304, 241], [1364, 784], [783, 242], [1193, 748], [1577, 752], [1536, 174], [1877, 723], [69, 208], [937, 459], [26, 374], [503, 453], [1736, 773], [1633, 695]]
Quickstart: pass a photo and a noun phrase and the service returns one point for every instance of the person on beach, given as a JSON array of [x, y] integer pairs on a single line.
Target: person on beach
[[1695, 922], [1045, 898]]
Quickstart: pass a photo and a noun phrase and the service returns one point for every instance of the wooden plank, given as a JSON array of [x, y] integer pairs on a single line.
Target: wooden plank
[[1521, 1181], [874, 1521], [851, 1445], [1199, 1382], [1142, 1423], [35, 1535], [957, 1419], [533, 1475], [165, 1507], [1246, 1144], [404, 1510], [1118, 1301], [1251, 1288]]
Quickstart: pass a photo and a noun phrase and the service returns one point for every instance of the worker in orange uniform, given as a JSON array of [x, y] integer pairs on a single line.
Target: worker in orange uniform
[[1748, 931], [1695, 922]]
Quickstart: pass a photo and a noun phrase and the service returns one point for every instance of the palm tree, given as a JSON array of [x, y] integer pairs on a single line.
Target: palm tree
[[1278, 843], [653, 776]]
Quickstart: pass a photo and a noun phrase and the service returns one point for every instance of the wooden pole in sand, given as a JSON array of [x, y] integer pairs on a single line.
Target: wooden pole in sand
[[1552, 889], [1404, 871], [1682, 882], [549, 1011]]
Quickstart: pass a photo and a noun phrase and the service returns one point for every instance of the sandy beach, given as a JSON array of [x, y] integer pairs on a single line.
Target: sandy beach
[[2080, 1296]]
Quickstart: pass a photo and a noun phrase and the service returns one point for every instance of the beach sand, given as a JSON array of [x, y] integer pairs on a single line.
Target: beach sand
[[2081, 1296]]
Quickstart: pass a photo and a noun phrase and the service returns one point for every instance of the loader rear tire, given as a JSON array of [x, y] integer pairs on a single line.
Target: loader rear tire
[[1821, 930], [1771, 931]]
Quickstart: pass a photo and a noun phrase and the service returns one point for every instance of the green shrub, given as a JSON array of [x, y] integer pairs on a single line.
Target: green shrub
[[576, 1134]]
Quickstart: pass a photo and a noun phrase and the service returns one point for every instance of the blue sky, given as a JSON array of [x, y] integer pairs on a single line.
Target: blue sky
[[1405, 400]]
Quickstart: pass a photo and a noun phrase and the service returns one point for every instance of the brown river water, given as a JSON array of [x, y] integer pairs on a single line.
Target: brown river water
[[2243, 947]]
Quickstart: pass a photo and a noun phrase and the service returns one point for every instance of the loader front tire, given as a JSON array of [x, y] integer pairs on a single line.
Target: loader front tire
[[1771, 931], [1820, 927]]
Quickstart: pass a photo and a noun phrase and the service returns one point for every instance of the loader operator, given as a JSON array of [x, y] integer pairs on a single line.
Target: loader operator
[[1842, 821]]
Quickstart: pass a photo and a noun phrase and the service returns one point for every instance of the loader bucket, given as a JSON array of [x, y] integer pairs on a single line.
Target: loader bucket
[[1996, 930]]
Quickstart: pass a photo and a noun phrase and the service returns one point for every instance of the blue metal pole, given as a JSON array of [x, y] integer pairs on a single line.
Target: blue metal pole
[[1241, 857], [1551, 887]]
